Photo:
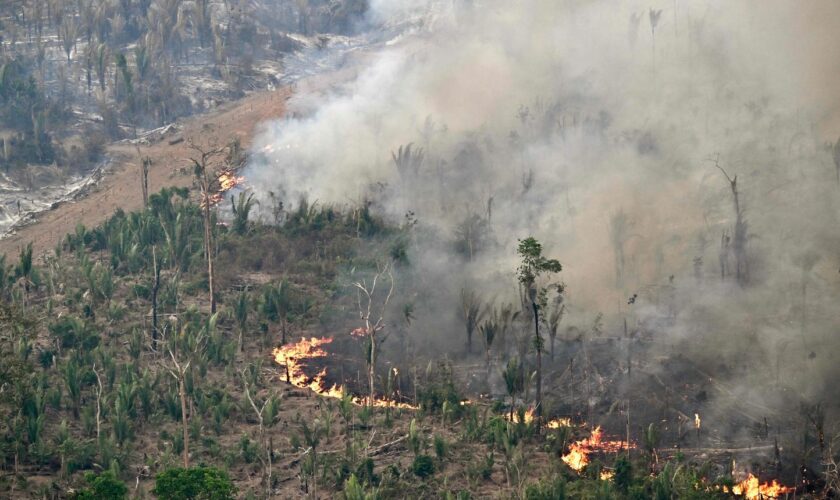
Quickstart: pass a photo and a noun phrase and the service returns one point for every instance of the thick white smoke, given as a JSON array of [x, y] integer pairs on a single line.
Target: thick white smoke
[[590, 123]]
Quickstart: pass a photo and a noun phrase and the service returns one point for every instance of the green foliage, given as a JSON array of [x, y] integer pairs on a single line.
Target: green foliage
[[623, 477], [104, 486], [74, 332], [553, 489], [200, 483], [353, 490], [241, 210], [439, 389], [514, 381], [441, 447], [414, 438], [533, 262], [248, 450], [423, 466], [365, 474]]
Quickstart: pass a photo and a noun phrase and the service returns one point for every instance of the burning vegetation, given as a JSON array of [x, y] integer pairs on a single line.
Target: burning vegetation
[[578, 456], [752, 489], [533, 294], [295, 358]]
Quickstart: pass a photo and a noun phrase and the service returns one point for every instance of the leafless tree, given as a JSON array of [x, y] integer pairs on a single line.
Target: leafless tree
[[739, 236], [653, 17], [203, 160], [184, 348], [372, 314], [265, 414]]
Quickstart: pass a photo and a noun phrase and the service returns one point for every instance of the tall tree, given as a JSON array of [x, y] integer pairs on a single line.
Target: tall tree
[[208, 185], [532, 266]]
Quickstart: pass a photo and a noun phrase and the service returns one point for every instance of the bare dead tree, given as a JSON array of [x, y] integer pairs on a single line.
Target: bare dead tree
[[262, 416], [155, 289], [372, 314], [739, 237], [653, 17], [203, 160], [98, 401], [147, 163], [183, 348]]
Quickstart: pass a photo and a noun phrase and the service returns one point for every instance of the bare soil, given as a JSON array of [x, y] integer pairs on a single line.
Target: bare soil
[[121, 188]]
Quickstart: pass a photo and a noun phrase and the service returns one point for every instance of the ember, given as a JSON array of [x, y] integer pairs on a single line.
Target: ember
[[294, 358]]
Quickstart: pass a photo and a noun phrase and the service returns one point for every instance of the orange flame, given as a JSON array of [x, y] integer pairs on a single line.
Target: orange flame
[[750, 488], [578, 456], [554, 423], [294, 357], [226, 181]]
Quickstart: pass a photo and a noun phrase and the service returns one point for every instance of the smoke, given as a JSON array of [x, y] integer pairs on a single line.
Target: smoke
[[598, 128]]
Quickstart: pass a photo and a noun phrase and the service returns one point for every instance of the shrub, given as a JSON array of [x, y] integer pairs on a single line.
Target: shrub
[[201, 483], [423, 466], [364, 472], [101, 487], [546, 490], [353, 490]]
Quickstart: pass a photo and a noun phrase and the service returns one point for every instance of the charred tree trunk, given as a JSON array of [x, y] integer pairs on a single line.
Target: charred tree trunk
[[538, 345], [155, 288], [147, 162], [372, 367], [739, 237], [183, 395]]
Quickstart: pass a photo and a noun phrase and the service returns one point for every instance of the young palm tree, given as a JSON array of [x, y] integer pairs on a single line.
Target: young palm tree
[[241, 311], [241, 210], [488, 330], [472, 312], [514, 382]]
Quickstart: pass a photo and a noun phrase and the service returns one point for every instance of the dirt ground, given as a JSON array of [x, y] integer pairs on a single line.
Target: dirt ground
[[120, 187]]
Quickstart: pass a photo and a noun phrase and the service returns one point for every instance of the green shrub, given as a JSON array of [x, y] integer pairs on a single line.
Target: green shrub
[[554, 489], [353, 490], [365, 474], [201, 483], [423, 466], [104, 486]]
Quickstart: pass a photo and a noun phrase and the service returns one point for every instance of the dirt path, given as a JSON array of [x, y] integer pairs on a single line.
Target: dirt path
[[121, 188]]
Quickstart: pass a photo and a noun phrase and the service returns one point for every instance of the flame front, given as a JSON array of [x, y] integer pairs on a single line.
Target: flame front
[[578, 456], [554, 423], [294, 358], [750, 488]]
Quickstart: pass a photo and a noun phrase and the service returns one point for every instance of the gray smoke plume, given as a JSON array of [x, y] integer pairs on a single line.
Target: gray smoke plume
[[613, 140]]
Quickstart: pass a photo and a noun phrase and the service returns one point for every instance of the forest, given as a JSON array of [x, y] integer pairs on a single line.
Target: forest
[[454, 249]]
